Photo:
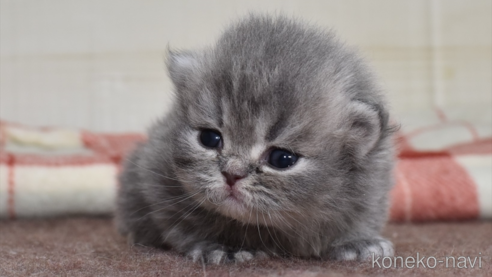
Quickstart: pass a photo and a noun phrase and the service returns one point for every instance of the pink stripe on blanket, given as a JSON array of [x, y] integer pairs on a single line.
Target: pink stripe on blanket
[[433, 188], [11, 186], [49, 161], [431, 184], [479, 147], [115, 146]]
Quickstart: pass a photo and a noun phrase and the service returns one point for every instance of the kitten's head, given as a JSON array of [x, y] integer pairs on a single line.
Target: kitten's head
[[275, 122]]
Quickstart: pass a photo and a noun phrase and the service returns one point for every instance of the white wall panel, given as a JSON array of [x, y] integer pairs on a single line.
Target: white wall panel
[[99, 64]]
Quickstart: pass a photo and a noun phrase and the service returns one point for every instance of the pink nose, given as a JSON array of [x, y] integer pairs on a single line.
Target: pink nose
[[231, 179]]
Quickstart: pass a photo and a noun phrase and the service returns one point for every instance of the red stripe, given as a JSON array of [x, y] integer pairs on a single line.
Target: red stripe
[[479, 147], [54, 161], [437, 187], [438, 126], [3, 135], [11, 186], [28, 127], [472, 130], [441, 115]]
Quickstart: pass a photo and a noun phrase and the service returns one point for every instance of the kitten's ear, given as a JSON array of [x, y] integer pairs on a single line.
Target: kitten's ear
[[366, 125], [181, 66]]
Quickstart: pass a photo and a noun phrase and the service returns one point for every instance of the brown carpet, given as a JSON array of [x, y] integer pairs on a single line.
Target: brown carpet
[[92, 247]]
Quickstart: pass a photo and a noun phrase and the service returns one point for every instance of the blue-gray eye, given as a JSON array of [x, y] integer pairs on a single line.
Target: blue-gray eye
[[210, 139], [280, 158]]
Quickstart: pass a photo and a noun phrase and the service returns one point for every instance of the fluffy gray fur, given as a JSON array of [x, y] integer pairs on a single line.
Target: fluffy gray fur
[[267, 82]]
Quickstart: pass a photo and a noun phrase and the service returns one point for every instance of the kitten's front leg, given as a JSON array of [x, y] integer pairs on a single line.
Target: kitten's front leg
[[209, 251], [215, 253], [360, 249]]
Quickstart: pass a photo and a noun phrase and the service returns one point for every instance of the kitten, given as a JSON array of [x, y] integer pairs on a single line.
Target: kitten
[[278, 145]]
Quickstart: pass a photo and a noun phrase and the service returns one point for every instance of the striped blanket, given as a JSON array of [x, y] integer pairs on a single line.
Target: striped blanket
[[444, 171]]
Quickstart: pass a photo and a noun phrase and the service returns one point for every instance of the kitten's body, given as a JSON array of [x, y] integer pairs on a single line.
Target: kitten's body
[[266, 83]]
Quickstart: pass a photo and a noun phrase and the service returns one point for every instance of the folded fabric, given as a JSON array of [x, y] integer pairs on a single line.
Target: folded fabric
[[443, 172], [50, 172]]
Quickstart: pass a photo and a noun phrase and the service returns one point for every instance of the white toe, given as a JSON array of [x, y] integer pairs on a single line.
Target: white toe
[[388, 250], [261, 255], [216, 256], [243, 256], [348, 255], [195, 255], [367, 253]]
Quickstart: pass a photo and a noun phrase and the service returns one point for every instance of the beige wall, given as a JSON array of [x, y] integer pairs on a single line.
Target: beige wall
[[99, 64]]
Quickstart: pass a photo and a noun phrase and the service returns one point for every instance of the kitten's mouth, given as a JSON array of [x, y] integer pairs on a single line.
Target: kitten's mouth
[[235, 196], [234, 204], [230, 201], [233, 201]]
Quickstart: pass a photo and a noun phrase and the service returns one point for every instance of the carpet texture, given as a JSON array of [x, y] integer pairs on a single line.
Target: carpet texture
[[91, 247]]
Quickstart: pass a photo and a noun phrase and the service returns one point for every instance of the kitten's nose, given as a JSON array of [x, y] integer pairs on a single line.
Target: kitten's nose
[[231, 178]]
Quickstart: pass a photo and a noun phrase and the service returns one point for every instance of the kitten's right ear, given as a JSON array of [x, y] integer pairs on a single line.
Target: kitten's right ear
[[182, 66], [366, 124]]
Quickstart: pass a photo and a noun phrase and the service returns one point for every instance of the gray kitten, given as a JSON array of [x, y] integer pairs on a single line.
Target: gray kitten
[[278, 144]]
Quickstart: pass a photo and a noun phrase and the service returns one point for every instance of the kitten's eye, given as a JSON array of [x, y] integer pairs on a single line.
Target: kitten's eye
[[280, 158], [210, 139]]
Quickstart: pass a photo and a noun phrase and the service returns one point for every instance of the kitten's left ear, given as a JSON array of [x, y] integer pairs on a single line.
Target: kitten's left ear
[[182, 66], [366, 126]]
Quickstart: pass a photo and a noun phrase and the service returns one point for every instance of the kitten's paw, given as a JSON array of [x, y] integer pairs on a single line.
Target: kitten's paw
[[217, 254], [362, 250], [243, 256]]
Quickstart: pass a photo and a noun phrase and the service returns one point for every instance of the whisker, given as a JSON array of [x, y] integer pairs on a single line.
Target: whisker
[[151, 171], [274, 241], [186, 214], [259, 233], [247, 226], [301, 225], [164, 201], [158, 210]]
